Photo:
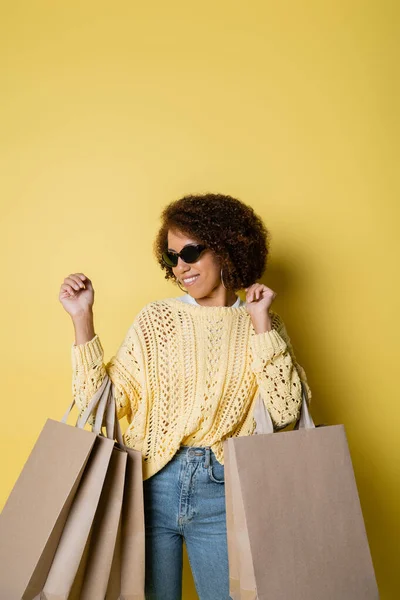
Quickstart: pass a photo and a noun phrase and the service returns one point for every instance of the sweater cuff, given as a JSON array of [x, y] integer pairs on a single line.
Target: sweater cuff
[[86, 355], [264, 346]]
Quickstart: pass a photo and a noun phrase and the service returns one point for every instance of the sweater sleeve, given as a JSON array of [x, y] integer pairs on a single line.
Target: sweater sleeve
[[125, 370], [278, 373]]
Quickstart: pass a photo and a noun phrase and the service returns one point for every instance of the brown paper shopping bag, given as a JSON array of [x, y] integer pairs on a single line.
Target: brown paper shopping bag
[[37, 508], [127, 576], [294, 521], [114, 566], [95, 567], [111, 563], [82, 562], [60, 531], [132, 550], [35, 513]]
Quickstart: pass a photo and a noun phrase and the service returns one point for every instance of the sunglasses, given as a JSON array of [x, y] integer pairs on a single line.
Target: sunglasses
[[190, 254]]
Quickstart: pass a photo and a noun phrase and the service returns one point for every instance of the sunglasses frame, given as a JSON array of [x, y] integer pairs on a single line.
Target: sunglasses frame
[[199, 247]]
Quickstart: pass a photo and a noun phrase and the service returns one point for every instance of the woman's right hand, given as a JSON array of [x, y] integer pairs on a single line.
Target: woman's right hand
[[77, 294]]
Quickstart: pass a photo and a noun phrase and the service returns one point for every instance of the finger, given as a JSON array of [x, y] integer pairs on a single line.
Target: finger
[[74, 281], [65, 287], [250, 289], [78, 280], [73, 286], [70, 290], [256, 289], [64, 291], [86, 281]]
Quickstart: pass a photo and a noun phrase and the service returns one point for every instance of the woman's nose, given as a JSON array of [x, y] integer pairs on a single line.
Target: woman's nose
[[181, 263]]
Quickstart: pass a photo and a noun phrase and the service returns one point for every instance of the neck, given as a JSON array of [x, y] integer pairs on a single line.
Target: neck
[[222, 298]]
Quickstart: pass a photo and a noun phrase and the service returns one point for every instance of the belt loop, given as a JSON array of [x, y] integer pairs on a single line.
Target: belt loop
[[207, 459]]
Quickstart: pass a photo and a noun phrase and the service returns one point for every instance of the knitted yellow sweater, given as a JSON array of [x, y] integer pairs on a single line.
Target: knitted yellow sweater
[[187, 374]]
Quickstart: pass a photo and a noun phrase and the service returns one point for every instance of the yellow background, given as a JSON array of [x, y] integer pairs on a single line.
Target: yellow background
[[109, 110]]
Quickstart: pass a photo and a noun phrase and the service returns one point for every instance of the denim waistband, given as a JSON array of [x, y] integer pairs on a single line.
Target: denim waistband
[[195, 454]]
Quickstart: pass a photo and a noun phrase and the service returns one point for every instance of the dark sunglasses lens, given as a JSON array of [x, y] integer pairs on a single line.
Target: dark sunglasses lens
[[171, 260], [190, 254]]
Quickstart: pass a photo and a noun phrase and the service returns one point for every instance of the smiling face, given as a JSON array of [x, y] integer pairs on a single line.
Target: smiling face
[[206, 287]]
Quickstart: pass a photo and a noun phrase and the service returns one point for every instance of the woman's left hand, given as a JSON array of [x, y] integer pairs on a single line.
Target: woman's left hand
[[259, 298]]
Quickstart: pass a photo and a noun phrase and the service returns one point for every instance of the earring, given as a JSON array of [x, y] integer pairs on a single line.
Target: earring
[[222, 281]]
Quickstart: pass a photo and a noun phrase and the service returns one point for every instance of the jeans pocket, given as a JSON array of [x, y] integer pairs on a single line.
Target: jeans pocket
[[216, 472]]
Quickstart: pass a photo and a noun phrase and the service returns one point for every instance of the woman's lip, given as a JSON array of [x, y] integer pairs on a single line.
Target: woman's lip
[[190, 282]]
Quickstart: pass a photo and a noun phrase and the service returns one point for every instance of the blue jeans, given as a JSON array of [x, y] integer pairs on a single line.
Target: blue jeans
[[186, 501]]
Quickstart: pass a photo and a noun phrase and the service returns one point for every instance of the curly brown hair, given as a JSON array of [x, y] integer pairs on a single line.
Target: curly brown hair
[[227, 226]]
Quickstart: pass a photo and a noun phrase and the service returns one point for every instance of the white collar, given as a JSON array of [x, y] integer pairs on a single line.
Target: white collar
[[190, 300]]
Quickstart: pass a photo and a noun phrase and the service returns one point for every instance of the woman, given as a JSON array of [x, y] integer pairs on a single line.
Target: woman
[[186, 376]]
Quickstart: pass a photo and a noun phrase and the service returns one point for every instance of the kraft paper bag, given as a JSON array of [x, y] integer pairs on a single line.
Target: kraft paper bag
[[82, 563], [114, 582], [294, 521], [118, 556], [78, 526], [101, 572], [231, 531], [37, 509], [127, 576], [133, 531], [111, 564], [96, 566], [115, 565]]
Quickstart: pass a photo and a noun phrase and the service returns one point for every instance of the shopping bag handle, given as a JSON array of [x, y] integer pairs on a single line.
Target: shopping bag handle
[[263, 418], [113, 427], [104, 400], [99, 396], [107, 410]]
